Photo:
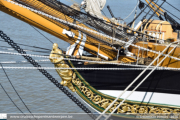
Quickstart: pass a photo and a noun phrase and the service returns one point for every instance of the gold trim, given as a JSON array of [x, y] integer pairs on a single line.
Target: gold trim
[[98, 100], [102, 102], [66, 74]]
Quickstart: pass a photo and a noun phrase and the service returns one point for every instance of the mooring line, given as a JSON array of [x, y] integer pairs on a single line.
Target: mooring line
[[12, 100], [16, 90], [45, 73]]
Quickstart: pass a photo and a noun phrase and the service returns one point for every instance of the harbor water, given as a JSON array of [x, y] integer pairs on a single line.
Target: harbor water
[[39, 94]]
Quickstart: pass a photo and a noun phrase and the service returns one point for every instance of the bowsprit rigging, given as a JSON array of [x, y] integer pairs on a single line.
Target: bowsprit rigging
[[158, 10], [45, 73], [122, 59]]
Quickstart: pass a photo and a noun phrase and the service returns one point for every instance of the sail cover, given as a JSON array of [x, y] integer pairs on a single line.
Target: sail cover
[[94, 7]]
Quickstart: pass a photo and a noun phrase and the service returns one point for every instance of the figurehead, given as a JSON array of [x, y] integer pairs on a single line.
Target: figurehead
[[55, 46]]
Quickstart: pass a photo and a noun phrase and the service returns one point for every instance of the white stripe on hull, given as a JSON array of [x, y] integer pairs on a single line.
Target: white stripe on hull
[[158, 98]]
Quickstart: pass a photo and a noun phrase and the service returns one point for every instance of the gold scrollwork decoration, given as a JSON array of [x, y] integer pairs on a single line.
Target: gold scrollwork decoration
[[69, 77], [125, 107]]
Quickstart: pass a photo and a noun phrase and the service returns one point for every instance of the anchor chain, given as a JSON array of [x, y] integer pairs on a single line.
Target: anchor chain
[[45, 73]]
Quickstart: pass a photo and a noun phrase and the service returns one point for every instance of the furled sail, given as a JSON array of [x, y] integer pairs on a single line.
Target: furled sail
[[94, 7]]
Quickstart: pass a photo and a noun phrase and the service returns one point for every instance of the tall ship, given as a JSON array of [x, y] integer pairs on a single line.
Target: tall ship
[[114, 67]]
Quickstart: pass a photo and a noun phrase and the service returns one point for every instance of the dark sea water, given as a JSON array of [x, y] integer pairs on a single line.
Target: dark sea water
[[40, 95]]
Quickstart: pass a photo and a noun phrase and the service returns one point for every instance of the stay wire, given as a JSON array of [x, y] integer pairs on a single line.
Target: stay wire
[[167, 11], [150, 9], [30, 46], [60, 48], [129, 24], [46, 74], [10, 49], [147, 90], [16, 90], [12, 100], [153, 76], [172, 6], [34, 54], [69, 27], [91, 43], [66, 17], [157, 83], [41, 34], [155, 88], [153, 14]]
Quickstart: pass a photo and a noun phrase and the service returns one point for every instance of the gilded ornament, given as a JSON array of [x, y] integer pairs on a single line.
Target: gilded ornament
[[124, 108], [69, 78], [66, 74]]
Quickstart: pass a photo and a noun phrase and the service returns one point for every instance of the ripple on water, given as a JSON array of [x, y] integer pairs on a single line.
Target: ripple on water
[[40, 95]]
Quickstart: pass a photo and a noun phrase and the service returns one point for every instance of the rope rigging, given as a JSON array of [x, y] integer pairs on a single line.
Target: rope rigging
[[22, 62], [30, 46], [132, 10], [129, 24], [16, 90], [38, 68], [8, 48], [92, 22], [174, 23], [168, 12], [88, 68], [91, 43], [135, 81], [115, 40], [12, 100], [172, 6], [41, 33], [150, 11], [139, 67], [153, 14], [45, 73]]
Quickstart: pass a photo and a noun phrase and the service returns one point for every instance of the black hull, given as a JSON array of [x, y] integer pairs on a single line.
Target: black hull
[[163, 81]]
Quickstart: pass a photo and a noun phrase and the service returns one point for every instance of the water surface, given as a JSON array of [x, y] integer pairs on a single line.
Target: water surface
[[40, 95]]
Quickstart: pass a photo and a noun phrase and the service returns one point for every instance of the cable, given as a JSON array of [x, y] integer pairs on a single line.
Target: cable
[[12, 100], [16, 90], [147, 89], [168, 12], [172, 6], [45, 73], [129, 24], [7, 48], [18, 62], [155, 88], [77, 44], [45, 56], [101, 62], [132, 10], [153, 14], [30, 46], [150, 9], [41, 33]]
